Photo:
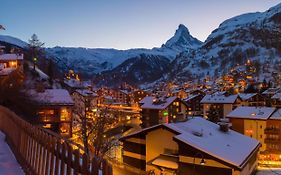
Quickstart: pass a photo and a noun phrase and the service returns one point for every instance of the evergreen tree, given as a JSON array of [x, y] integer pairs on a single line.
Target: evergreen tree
[[213, 115], [35, 49]]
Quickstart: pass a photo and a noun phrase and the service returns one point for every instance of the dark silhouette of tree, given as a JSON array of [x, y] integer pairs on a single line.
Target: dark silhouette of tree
[[214, 114], [251, 89], [35, 49], [94, 129]]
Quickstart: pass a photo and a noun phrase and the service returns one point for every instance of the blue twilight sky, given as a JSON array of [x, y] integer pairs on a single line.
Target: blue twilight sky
[[118, 24]]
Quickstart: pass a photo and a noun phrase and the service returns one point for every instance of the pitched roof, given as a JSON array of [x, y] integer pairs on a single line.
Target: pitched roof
[[277, 96], [86, 93], [246, 96], [247, 112], [272, 91], [230, 147], [219, 98], [191, 97], [51, 97], [276, 115], [11, 57], [156, 103]]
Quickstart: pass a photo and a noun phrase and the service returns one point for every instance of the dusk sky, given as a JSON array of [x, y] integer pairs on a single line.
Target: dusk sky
[[118, 24]]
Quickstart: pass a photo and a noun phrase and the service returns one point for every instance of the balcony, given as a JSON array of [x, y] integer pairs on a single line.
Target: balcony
[[272, 131], [272, 140]]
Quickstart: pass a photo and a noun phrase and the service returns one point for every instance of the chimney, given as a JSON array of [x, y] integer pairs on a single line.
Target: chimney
[[224, 126]]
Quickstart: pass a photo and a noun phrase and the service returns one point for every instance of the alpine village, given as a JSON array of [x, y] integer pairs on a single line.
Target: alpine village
[[185, 108]]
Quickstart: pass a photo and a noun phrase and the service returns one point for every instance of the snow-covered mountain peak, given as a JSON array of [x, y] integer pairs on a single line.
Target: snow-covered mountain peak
[[182, 40]]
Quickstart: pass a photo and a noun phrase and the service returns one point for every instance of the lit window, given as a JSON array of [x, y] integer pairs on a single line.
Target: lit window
[[47, 126]]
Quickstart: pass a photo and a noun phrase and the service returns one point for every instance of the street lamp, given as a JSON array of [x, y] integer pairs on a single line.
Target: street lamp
[[34, 62], [202, 161]]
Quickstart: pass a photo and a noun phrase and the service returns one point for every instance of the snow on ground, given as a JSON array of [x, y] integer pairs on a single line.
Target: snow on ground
[[268, 171], [8, 163]]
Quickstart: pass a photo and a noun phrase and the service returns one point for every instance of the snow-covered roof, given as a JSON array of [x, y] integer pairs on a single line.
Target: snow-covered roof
[[125, 92], [246, 96], [191, 97], [271, 91], [150, 102], [86, 93], [11, 57], [276, 115], [51, 97], [277, 96], [219, 98], [247, 112], [231, 147], [73, 83]]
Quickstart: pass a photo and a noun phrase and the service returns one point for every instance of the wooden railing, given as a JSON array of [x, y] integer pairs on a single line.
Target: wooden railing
[[43, 153]]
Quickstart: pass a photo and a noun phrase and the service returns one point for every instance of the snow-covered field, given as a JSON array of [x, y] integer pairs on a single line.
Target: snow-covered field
[[8, 163], [269, 171]]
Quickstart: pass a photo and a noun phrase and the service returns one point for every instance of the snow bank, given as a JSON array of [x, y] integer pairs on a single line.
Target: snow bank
[[8, 163]]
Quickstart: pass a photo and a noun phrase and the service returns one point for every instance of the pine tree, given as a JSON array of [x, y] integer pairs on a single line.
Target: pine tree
[[35, 49]]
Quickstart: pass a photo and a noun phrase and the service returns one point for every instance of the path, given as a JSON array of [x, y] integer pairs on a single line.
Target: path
[[8, 163]]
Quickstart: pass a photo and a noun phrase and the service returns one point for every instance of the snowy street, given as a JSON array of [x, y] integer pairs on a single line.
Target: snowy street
[[8, 163], [267, 171]]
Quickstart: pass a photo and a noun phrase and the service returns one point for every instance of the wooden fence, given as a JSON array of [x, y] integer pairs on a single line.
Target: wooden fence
[[40, 152]]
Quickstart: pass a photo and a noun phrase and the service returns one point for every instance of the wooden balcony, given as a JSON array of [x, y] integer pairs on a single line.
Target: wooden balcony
[[41, 152], [272, 131], [272, 141]]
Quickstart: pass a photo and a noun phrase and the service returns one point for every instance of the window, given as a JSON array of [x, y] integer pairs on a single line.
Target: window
[[260, 126]]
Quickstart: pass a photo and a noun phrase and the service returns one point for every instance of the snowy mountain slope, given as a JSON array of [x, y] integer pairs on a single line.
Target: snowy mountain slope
[[13, 41], [137, 70], [92, 61], [254, 36]]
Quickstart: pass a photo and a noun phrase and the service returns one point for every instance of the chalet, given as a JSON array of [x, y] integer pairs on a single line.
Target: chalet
[[180, 93], [276, 100], [252, 99], [251, 121], [73, 84], [122, 96], [221, 102], [195, 146], [194, 107], [138, 95], [273, 138], [10, 62], [271, 92], [53, 110], [156, 110], [84, 100]]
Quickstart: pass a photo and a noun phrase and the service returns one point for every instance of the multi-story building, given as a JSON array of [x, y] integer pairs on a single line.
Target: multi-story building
[[195, 146], [9, 63], [251, 121], [263, 124], [194, 107], [252, 99], [156, 110], [53, 110], [220, 102], [276, 100], [138, 95]]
